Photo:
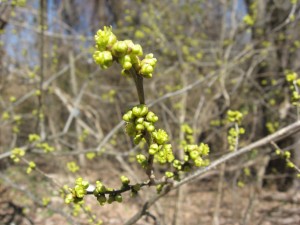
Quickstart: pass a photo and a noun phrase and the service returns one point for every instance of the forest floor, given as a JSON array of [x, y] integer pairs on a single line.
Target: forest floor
[[198, 204]]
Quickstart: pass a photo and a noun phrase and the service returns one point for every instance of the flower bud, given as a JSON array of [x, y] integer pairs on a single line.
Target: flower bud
[[104, 59], [141, 159], [177, 164], [69, 198], [151, 117], [136, 111], [125, 180], [186, 158], [139, 127], [169, 174], [119, 49], [149, 59], [101, 199], [85, 184], [204, 149], [127, 65], [199, 162], [118, 198], [153, 149], [190, 148], [129, 43], [149, 56], [125, 61], [137, 50], [100, 188], [111, 199], [160, 136], [136, 187], [139, 120], [146, 71], [150, 128], [194, 154], [127, 117], [78, 181], [159, 188], [144, 110], [105, 38], [79, 191]]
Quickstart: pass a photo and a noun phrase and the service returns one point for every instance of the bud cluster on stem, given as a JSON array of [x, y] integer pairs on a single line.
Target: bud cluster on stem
[[140, 125]]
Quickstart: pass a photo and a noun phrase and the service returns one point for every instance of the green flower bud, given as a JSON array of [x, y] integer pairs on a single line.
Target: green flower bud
[[139, 120], [69, 198], [159, 188], [194, 155], [234, 116], [34, 137], [127, 65], [146, 124], [190, 148], [140, 110], [149, 126], [153, 149], [199, 162], [144, 110], [104, 59], [119, 49], [111, 199], [96, 57], [139, 127], [125, 61], [79, 181], [170, 157], [105, 38], [85, 184], [127, 117], [79, 191], [141, 159], [177, 164], [100, 188], [161, 159], [129, 44], [169, 174], [136, 111], [151, 117], [101, 199], [204, 149], [160, 136], [149, 60], [186, 158], [137, 50], [118, 198], [125, 180], [146, 70], [136, 187], [135, 59], [149, 56]]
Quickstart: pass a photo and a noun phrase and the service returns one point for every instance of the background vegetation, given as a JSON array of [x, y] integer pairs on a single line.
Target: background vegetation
[[65, 113]]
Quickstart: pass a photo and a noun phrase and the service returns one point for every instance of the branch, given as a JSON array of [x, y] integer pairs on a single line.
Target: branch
[[282, 133]]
